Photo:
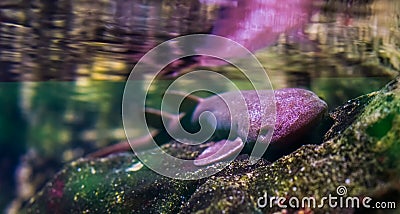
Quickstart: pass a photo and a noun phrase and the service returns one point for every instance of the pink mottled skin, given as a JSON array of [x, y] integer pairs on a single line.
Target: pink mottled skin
[[297, 110]]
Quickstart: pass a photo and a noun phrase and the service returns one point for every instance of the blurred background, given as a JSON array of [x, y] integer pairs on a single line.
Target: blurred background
[[63, 65]]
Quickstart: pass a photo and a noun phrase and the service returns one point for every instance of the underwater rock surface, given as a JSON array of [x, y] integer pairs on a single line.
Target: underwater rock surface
[[359, 152], [118, 183]]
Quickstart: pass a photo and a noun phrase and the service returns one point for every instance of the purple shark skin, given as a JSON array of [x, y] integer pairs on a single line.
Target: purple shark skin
[[254, 25], [296, 111], [240, 113]]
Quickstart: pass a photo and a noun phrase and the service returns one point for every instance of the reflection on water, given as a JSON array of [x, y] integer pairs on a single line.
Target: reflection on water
[[339, 50], [257, 24], [64, 40]]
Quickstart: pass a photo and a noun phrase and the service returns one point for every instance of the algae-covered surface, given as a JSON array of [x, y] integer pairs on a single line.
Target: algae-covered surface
[[115, 184], [358, 159]]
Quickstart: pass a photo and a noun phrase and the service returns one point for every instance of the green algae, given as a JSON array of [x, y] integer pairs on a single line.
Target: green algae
[[118, 183]]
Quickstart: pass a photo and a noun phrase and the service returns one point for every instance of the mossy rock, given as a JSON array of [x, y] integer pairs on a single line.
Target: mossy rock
[[118, 183], [359, 153]]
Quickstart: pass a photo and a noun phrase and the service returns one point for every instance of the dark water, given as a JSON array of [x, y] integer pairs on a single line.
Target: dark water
[[64, 65]]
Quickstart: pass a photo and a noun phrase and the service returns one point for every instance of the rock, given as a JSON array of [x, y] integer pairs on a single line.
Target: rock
[[117, 184], [360, 156], [359, 153]]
